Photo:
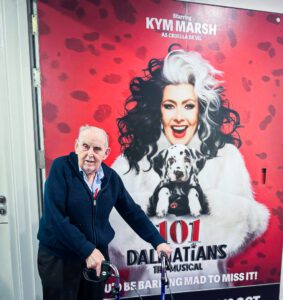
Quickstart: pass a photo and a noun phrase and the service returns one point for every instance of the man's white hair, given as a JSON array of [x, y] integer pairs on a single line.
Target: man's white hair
[[94, 128]]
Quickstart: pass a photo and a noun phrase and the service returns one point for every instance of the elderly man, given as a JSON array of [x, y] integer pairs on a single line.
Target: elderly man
[[74, 230]]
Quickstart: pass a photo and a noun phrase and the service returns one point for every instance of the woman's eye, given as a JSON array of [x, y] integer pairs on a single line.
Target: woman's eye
[[190, 106], [168, 106]]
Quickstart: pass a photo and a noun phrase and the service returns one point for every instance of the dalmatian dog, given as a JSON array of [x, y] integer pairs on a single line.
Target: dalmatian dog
[[178, 192]]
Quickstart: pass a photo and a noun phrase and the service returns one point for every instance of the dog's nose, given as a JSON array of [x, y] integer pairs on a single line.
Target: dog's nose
[[178, 174]]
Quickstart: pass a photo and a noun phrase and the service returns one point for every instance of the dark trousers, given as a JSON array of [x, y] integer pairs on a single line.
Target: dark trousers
[[62, 279]]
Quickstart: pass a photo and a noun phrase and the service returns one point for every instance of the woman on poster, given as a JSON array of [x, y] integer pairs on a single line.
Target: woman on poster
[[180, 101]]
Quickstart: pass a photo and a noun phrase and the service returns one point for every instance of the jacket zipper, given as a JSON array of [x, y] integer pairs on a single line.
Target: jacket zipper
[[93, 220]]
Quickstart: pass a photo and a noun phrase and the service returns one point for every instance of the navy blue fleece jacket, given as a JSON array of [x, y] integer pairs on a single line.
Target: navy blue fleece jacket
[[72, 225]]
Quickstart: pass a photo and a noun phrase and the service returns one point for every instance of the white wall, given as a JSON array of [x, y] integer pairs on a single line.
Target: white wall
[[17, 149]]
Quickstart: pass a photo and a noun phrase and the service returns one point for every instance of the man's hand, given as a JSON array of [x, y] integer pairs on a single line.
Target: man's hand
[[164, 248], [94, 261]]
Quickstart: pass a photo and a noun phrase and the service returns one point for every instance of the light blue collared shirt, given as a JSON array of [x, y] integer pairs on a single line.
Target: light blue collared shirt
[[96, 186]]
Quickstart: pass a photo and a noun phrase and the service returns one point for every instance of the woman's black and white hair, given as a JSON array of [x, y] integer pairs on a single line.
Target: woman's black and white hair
[[140, 126]]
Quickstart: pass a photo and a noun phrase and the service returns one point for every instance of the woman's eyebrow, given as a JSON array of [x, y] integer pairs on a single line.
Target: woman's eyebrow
[[184, 101], [189, 100]]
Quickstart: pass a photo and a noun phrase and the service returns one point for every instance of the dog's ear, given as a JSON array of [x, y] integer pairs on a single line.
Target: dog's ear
[[159, 162], [198, 160]]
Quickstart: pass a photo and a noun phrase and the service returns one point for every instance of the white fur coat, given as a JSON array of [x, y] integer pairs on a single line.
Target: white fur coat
[[235, 216]]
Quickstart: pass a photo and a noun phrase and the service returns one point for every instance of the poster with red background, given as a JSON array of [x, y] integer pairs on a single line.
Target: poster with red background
[[90, 51]]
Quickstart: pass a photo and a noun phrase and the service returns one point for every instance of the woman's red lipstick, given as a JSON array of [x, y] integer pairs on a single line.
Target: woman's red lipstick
[[179, 131]]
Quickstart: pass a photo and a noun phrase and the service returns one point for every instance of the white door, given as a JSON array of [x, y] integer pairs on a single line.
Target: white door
[[6, 281], [6, 286]]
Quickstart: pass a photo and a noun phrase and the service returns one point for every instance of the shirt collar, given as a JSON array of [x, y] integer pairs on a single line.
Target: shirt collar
[[99, 173]]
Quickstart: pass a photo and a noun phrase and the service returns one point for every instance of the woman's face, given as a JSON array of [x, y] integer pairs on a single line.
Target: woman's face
[[179, 113]]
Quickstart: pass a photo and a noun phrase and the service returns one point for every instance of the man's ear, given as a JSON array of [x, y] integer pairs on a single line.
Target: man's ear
[[159, 163], [107, 152], [76, 145]]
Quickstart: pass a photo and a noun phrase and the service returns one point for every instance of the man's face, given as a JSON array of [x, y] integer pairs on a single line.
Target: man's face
[[91, 149]]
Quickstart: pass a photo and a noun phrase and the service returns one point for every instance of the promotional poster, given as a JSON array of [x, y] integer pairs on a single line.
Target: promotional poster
[[191, 98]]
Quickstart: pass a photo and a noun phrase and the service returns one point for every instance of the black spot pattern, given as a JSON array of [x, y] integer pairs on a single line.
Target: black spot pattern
[[93, 50], [63, 127], [264, 46], [80, 95], [92, 71], [63, 77], [261, 255], [112, 78], [277, 72], [74, 44], [95, 2], [69, 4], [54, 64], [246, 84], [272, 110], [91, 36], [279, 194], [43, 27], [103, 13], [265, 78], [127, 36], [118, 60], [102, 112], [80, 12], [214, 46], [279, 213], [232, 38], [124, 11], [250, 13], [117, 39], [50, 111], [265, 122], [108, 46], [43, 56], [262, 155]]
